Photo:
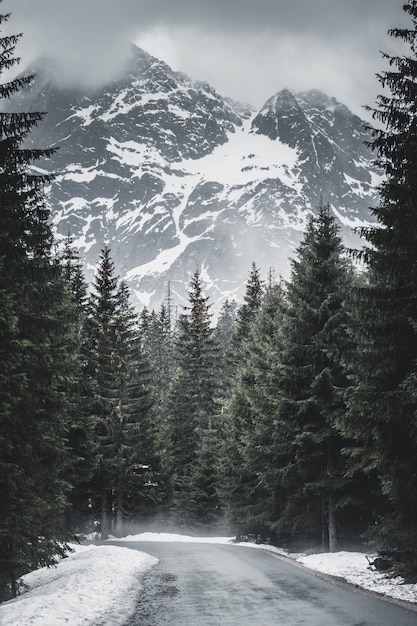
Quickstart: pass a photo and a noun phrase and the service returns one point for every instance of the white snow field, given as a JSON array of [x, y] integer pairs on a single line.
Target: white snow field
[[95, 585], [98, 585]]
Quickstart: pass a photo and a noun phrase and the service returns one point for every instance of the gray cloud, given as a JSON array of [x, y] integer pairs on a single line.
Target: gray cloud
[[246, 49]]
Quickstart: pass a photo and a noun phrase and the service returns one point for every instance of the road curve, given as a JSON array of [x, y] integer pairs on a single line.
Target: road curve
[[224, 585]]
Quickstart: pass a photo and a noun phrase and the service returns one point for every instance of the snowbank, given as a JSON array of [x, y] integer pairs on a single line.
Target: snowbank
[[173, 538], [96, 585], [353, 567]]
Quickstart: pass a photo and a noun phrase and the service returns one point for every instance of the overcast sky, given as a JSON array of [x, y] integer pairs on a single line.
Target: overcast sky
[[246, 49]]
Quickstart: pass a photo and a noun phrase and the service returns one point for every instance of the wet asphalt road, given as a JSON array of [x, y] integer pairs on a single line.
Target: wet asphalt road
[[222, 585]]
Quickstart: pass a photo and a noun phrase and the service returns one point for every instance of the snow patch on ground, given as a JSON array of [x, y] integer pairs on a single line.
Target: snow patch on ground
[[173, 538], [94, 586], [353, 567]]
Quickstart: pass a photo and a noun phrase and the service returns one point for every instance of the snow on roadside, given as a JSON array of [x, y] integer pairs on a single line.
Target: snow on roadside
[[95, 585], [173, 538], [98, 585], [353, 567]]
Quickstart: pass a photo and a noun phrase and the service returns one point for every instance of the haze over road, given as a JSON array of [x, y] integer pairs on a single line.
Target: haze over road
[[225, 585]]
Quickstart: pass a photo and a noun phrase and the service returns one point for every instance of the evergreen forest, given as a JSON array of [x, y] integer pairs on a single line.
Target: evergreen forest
[[290, 418]]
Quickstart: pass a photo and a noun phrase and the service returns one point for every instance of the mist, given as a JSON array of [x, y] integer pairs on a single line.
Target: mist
[[246, 51]]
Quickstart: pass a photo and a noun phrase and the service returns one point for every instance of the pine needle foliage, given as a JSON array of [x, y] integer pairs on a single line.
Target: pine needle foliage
[[193, 404], [383, 397], [35, 372]]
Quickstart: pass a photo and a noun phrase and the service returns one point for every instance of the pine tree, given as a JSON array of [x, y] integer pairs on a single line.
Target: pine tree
[[288, 396], [204, 503], [308, 384], [102, 340], [193, 393], [136, 459], [246, 317], [158, 337], [251, 304], [383, 397], [34, 369], [224, 338], [256, 432], [80, 436], [158, 343], [238, 484], [128, 479]]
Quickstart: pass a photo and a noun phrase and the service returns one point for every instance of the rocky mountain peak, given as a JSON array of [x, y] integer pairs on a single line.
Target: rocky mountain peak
[[174, 176], [281, 118]]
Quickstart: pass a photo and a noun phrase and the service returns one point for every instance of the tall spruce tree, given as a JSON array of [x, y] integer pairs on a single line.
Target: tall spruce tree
[[224, 337], [249, 458], [34, 367], [193, 401], [239, 483], [101, 344], [80, 436], [251, 304], [383, 397], [245, 319], [158, 339], [291, 396], [309, 382], [121, 405], [137, 478]]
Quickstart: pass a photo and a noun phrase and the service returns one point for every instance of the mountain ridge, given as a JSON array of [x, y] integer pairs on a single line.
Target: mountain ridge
[[173, 176]]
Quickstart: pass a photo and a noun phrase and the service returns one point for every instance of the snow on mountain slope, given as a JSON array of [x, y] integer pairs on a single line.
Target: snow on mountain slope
[[172, 176]]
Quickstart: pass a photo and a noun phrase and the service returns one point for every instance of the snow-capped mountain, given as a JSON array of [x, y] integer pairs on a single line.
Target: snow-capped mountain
[[173, 176]]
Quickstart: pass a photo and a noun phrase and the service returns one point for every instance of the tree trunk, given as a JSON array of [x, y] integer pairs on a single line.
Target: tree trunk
[[324, 526], [118, 530], [104, 515], [332, 525], [11, 569]]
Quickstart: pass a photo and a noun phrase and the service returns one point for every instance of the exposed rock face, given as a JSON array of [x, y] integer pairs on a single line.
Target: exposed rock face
[[173, 176]]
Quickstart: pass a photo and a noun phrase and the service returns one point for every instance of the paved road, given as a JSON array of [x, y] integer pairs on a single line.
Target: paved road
[[222, 585]]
